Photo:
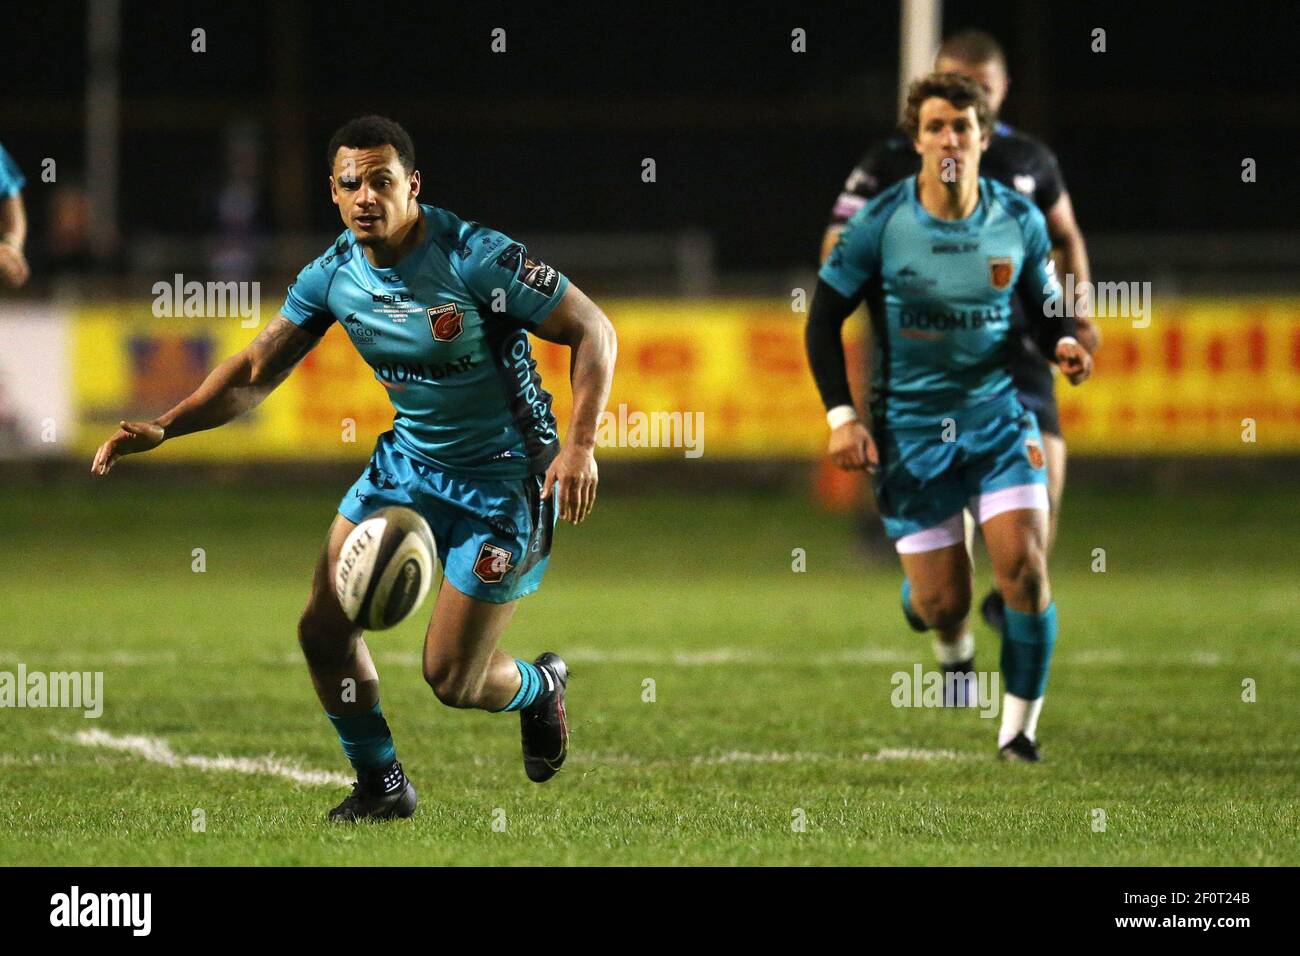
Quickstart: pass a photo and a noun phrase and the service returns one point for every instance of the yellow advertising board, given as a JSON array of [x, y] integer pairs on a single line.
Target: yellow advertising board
[[1205, 376]]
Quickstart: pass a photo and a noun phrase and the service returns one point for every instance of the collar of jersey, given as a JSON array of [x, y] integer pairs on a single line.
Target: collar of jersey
[[427, 213], [948, 225]]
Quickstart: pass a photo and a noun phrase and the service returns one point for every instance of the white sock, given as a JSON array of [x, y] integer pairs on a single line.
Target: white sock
[[962, 649], [1031, 718], [1013, 717]]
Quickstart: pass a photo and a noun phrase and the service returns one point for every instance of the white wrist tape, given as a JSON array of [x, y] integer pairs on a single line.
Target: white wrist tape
[[841, 414]]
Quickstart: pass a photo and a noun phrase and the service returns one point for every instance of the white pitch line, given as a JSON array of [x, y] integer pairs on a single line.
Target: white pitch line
[[157, 750]]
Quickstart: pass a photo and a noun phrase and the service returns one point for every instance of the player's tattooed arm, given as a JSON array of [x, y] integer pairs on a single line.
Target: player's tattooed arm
[[581, 325], [231, 389]]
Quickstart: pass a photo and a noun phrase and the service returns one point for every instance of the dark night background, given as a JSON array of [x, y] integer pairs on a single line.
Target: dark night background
[[751, 140]]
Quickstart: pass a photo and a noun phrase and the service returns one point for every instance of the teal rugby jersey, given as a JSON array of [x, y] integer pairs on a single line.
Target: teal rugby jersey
[[939, 293], [11, 178], [446, 332]]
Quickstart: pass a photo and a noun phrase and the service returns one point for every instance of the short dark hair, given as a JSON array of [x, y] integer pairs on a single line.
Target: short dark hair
[[974, 47], [366, 132], [961, 91]]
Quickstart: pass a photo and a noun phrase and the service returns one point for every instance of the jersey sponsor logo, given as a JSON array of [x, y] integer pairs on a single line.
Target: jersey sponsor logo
[[389, 298], [492, 563], [393, 374], [357, 330], [949, 248], [910, 282], [1034, 452], [946, 321], [446, 322], [1000, 269]]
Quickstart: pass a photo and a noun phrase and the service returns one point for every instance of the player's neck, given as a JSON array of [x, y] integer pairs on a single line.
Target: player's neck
[[950, 201], [403, 240]]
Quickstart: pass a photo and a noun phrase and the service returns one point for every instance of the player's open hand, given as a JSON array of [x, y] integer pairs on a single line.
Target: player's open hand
[[1073, 360], [13, 266], [575, 469], [129, 439], [852, 449]]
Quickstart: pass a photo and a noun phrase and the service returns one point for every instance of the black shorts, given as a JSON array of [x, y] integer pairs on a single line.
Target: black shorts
[[1043, 405]]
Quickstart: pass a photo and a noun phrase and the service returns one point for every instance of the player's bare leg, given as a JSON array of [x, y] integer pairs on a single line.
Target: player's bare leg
[[466, 669], [938, 591], [347, 685], [1054, 452], [1017, 546], [992, 608]]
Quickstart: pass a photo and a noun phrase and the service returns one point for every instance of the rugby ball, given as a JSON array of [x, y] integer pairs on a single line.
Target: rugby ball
[[385, 568]]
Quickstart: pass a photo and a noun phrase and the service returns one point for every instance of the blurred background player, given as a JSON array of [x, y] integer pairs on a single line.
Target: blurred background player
[[13, 224], [1024, 164], [441, 309], [938, 257]]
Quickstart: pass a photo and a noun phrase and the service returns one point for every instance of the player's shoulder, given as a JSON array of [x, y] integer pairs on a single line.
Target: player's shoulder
[[1012, 202], [336, 255], [878, 210], [1017, 207], [1026, 149], [470, 246]]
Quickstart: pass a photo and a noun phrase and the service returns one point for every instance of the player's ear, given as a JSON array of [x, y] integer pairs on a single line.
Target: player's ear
[[334, 192], [415, 183]]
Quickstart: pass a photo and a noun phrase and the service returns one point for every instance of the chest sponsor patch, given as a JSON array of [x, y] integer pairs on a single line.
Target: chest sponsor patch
[[492, 564], [1000, 269], [446, 322]]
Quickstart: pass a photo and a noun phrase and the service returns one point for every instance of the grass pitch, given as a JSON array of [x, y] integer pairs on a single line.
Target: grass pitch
[[771, 738]]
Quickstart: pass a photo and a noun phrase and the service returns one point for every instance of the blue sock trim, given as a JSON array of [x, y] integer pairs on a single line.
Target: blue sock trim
[[366, 739], [530, 685], [1027, 651]]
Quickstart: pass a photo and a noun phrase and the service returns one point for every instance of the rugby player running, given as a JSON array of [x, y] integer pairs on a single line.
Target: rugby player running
[[1029, 167], [939, 256], [441, 308]]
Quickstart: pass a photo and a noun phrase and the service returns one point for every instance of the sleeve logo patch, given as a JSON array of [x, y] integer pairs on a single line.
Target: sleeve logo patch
[[1034, 452], [530, 271], [536, 274], [492, 564], [1000, 270], [446, 322]]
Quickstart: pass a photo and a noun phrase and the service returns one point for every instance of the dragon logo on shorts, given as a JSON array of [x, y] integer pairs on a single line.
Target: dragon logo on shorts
[[492, 564], [446, 322], [1000, 270], [1034, 452]]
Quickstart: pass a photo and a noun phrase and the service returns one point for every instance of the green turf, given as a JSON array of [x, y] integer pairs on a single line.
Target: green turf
[[773, 693]]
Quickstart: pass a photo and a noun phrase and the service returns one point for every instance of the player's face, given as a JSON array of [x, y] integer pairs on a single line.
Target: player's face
[[990, 76], [376, 196], [949, 140]]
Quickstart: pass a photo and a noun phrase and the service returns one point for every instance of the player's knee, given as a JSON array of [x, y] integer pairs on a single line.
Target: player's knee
[[452, 685], [322, 641], [1025, 581], [942, 608]]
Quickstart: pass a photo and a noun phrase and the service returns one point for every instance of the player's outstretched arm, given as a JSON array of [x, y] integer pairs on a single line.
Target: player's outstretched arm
[[580, 324], [232, 388]]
